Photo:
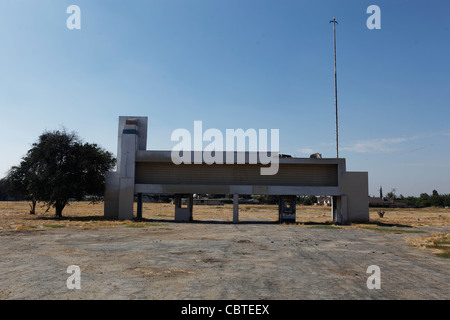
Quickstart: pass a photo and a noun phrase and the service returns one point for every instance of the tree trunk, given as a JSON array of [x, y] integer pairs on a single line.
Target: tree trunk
[[33, 206], [59, 206]]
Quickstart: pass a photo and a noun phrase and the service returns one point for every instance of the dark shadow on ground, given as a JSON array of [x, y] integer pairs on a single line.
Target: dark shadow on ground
[[309, 223], [315, 223], [206, 221], [82, 219], [306, 223], [382, 224]]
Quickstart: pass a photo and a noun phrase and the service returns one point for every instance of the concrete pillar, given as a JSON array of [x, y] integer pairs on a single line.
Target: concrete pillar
[[129, 145], [355, 186], [119, 185], [339, 209], [344, 209], [235, 208], [334, 209], [183, 212], [111, 201], [139, 206]]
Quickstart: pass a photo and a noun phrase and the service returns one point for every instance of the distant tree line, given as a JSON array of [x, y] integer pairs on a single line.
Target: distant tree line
[[426, 200]]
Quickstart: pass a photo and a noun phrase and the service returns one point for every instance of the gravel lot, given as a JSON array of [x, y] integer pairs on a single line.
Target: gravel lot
[[201, 260]]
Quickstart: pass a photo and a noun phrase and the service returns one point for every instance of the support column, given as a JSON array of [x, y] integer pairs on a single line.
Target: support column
[[355, 187], [183, 212], [339, 209], [334, 209], [119, 185], [235, 208], [111, 203], [129, 145], [139, 206]]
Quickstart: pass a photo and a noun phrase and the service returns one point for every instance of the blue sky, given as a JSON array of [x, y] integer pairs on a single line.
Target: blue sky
[[259, 64]]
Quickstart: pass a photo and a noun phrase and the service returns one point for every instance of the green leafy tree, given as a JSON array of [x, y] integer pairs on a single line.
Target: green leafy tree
[[21, 183], [423, 200], [63, 167], [3, 190], [446, 200], [391, 194], [436, 200], [307, 200]]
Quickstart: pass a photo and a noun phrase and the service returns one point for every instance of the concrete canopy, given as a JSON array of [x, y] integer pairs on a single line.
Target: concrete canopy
[[141, 171]]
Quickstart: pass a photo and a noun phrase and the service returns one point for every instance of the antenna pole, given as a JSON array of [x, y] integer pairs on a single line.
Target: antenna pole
[[335, 85]]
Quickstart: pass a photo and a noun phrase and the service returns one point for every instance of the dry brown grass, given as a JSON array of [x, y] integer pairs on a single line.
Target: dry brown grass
[[15, 216], [438, 242], [82, 215], [412, 217]]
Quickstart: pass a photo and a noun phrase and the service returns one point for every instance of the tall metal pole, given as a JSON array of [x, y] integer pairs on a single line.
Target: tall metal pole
[[335, 85]]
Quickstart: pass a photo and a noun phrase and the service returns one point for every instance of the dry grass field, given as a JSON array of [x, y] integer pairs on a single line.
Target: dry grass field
[[15, 216]]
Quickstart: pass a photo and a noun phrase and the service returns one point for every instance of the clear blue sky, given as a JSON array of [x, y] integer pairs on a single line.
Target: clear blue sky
[[259, 64]]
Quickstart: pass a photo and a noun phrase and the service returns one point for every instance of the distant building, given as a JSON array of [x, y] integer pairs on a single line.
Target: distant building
[[222, 201], [384, 202], [208, 202], [323, 201]]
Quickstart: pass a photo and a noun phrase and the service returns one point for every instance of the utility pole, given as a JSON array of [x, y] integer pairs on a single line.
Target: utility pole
[[335, 85]]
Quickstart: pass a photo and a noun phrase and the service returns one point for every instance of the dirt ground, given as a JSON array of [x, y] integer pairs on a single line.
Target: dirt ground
[[212, 258]]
